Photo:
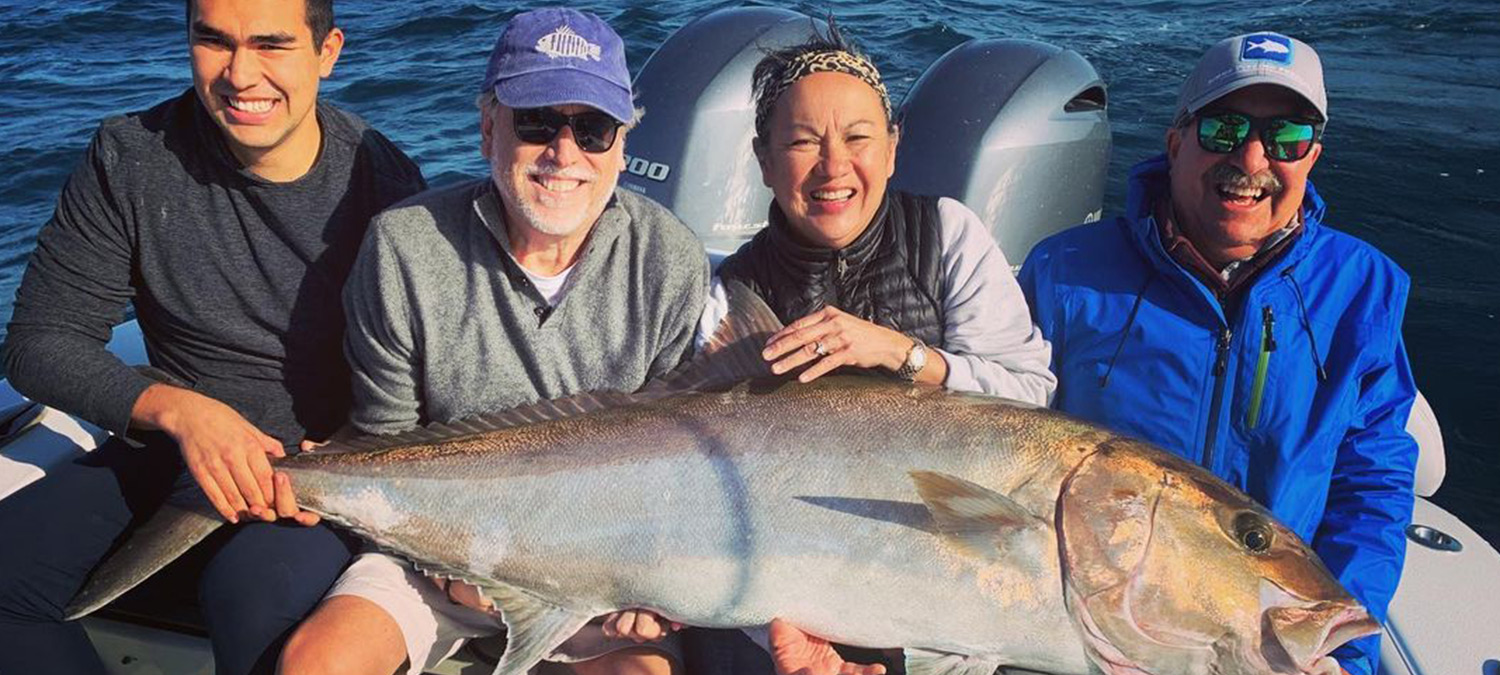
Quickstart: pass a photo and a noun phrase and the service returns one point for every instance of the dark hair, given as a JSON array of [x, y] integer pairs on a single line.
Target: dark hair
[[319, 19], [772, 67]]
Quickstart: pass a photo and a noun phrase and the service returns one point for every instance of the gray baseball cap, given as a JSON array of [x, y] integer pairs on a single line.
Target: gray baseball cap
[[1256, 58]]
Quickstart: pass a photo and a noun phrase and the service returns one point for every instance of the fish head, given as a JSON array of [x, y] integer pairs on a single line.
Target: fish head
[[1167, 569]]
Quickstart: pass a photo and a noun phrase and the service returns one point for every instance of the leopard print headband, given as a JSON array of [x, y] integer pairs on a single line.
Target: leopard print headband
[[830, 61]]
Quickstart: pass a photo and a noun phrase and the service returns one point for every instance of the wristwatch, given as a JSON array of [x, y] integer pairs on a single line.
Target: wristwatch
[[916, 359]]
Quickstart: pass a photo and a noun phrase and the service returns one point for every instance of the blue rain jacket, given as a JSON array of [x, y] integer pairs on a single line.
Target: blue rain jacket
[[1328, 456]]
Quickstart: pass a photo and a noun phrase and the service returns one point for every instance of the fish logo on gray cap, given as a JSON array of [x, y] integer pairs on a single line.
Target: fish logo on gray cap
[[1256, 58]]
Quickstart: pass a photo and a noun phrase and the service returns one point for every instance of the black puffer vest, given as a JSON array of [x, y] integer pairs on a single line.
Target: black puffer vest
[[890, 275]]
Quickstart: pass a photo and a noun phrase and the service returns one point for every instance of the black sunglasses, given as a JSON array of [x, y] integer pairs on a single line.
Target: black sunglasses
[[594, 131], [1285, 139]]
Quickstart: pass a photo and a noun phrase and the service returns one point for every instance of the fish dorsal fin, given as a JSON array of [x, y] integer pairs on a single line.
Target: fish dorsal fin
[[923, 662], [437, 432], [733, 352], [534, 627], [732, 355], [971, 515]]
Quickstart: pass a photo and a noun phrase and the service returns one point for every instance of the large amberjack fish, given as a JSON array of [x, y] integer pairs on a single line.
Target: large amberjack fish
[[974, 532]]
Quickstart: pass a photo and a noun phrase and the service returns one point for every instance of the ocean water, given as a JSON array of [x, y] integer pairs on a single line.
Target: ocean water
[[1412, 158]]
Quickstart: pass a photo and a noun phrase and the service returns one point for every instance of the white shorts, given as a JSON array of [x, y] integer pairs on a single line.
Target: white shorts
[[434, 627]]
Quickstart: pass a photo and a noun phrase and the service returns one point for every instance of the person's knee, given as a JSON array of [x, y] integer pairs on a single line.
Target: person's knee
[[271, 575], [305, 654], [347, 635], [632, 661]]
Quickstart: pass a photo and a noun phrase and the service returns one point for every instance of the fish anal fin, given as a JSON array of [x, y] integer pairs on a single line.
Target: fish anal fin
[[975, 517], [923, 662], [147, 548], [534, 627]]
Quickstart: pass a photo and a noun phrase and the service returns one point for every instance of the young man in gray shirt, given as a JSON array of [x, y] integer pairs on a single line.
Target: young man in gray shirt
[[541, 281], [228, 216]]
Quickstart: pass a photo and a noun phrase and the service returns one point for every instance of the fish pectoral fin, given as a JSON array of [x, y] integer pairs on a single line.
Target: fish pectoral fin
[[971, 515], [534, 627], [923, 662], [162, 538]]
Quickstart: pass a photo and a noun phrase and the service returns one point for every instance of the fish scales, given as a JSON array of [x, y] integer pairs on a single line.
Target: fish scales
[[714, 509]]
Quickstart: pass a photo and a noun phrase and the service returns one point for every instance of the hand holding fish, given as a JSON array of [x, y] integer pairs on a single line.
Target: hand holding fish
[[795, 652], [465, 594], [640, 625], [224, 452], [830, 338], [286, 502]]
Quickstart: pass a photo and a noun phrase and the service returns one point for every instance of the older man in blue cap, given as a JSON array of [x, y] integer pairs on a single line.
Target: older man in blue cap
[[540, 281], [1220, 318]]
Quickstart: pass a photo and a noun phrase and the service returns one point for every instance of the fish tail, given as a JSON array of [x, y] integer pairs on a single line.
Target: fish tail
[[164, 537]]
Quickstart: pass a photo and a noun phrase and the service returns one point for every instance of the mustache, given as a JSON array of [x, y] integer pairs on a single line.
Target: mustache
[[574, 172], [1228, 175]]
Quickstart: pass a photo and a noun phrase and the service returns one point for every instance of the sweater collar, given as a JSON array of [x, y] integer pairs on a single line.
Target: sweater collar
[[606, 229], [211, 138]]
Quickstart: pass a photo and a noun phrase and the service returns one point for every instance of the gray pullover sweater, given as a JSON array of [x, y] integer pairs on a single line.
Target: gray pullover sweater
[[443, 324], [235, 280]]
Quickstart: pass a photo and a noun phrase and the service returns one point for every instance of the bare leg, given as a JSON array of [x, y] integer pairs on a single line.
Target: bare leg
[[346, 635], [633, 661]]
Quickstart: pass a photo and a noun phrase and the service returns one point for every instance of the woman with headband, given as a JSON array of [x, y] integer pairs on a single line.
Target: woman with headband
[[864, 276]]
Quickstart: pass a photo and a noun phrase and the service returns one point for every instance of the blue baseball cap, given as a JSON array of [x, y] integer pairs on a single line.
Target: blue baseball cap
[[550, 57]]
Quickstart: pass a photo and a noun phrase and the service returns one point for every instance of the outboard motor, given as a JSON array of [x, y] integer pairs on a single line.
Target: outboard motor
[[1017, 130], [691, 151]]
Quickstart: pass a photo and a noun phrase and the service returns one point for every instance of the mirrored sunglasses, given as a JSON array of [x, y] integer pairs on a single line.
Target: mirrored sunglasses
[[1285, 139]]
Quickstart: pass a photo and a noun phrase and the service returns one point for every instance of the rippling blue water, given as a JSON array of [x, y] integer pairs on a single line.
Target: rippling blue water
[[1412, 161]]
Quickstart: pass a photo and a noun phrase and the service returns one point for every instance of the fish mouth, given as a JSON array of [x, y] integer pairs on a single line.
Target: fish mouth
[[1353, 623], [1288, 643]]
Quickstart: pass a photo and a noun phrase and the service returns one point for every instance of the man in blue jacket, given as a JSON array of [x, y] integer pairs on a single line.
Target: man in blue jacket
[[1220, 319]]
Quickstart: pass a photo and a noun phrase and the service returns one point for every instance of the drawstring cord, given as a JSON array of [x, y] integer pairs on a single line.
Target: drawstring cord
[[1130, 321], [1312, 339]]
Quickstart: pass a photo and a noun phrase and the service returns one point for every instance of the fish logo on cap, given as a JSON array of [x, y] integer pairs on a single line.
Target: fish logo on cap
[[1267, 47], [564, 43]]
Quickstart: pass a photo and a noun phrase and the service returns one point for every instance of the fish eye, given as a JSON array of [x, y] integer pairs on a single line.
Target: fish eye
[[1256, 540], [1253, 533]]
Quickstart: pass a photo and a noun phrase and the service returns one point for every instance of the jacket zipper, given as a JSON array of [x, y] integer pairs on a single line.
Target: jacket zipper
[[1221, 364], [1262, 365]]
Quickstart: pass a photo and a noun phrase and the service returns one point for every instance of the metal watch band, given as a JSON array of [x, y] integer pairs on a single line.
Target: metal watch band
[[916, 359]]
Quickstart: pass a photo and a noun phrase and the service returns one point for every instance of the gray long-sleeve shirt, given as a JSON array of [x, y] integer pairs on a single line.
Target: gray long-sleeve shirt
[[235, 279], [443, 324]]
